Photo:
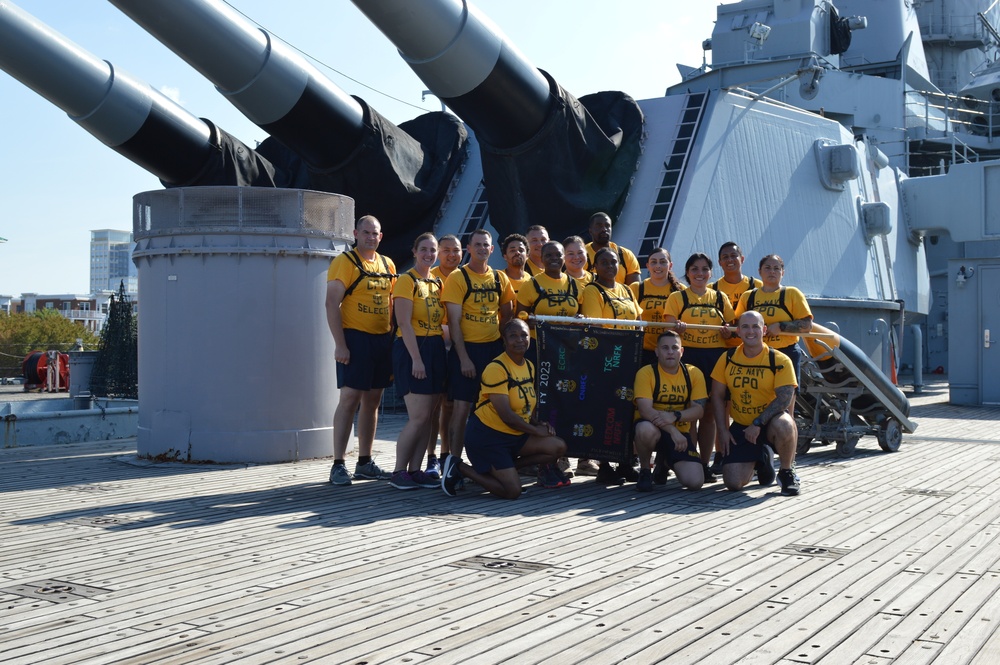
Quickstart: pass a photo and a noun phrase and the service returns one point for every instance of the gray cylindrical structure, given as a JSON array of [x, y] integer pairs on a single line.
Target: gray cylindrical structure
[[81, 365], [235, 355]]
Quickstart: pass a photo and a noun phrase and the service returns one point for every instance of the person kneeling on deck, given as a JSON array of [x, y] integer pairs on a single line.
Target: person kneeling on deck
[[502, 435], [669, 396], [761, 383]]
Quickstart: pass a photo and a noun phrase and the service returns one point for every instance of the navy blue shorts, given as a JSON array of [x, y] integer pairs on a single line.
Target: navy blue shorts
[[744, 452], [435, 363], [490, 449], [665, 446], [461, 387], [371, 361], [703, 359]]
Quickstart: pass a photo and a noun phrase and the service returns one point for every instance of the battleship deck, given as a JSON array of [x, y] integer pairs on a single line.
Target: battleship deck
[[883, 558]]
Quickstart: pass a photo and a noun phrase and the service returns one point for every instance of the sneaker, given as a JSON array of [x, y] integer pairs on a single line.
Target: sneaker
[[645, 483], [564, 468], [450, 476], [765, 468], [369, 471], [339, 475], [547, 477], [789, 482], [587, 467], [402, 480], [628, 473], [608, 476], [423, 479], [565, 477], [659, 474], [709, 474], [717, 464], [433, 469]]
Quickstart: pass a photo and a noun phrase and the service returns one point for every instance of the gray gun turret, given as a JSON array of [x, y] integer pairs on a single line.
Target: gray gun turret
[[548, 157]]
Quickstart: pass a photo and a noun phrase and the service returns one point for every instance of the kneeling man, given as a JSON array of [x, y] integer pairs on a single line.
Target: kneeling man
[[669, 396], [761, 386]]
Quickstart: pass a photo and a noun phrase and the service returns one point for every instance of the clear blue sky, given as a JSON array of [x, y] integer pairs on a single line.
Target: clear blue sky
[[57, 182]]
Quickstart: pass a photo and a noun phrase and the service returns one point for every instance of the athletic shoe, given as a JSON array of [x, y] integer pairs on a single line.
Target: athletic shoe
[[369, 471], [789, 482], [765, 467], [433, 468], [628, 473], [563, 465], [717, 463], [660, 473], [423, 479], [608, 476], [562, 476], [547, 477], [339, 475], [586, 467], [450, 476], [709, 474], [645, 483], [402, 480]]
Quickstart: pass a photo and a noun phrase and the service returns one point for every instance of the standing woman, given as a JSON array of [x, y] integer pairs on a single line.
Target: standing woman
[[549, 293], [699, 304], [652, 294], [418, 360], [606, 298], [576, 261], [784, 308]]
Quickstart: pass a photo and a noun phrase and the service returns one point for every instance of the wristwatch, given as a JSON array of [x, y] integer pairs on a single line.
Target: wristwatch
[[759, 423]]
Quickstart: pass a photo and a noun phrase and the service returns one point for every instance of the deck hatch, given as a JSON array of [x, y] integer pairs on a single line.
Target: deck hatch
[[56, 591], [814, 551], [498, 565]]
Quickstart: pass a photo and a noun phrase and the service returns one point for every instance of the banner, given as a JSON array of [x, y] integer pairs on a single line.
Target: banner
[[585, 387]]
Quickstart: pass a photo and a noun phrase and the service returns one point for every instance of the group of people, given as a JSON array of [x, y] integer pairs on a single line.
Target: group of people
[[457, 340]]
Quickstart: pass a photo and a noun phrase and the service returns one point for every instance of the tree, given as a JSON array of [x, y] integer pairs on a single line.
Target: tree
[[41, 330], [116, 370]]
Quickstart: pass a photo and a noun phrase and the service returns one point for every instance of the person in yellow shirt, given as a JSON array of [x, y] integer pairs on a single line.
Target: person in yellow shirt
[[733, 282], [549, 293], [537, 236], [600, 234], [651, 294], [503, 433], [514, 250], [669, 396], [359, 313], [418, 360], [761, 384], [479, 300], [449, 256], [575, 250]]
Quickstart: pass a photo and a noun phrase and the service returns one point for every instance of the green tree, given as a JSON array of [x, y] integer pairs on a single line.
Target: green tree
[[45, 329]]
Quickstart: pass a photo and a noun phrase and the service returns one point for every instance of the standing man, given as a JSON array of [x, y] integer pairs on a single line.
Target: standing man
[[669, 396], [514, 250], [600, 235], [479, 300], [359, 313], [537, 236], [733, 282], [762, 385]]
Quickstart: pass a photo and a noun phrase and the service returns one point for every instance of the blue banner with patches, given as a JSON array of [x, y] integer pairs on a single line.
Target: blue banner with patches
[[585, 387]]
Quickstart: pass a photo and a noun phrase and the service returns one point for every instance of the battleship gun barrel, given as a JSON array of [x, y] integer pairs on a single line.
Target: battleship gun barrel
[[469, 64], [265, 79], [123, 113]]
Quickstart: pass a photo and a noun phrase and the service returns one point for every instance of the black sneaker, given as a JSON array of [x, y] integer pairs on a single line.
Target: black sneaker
[[765, 467], [709, 475], [645, 483], [789, 482], [628, 473], [717, 463], [451, 476], [660, 473], [608, 476]]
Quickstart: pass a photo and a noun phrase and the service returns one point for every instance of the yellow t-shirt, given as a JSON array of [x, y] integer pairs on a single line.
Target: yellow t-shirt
[[502, 376], [751, 381], [598, 302], [516, 284], [366, 307], [627, 263], [702, 310], [550, 297], [581, 282], [481, 303], [428, 312], [734, 291], [436, 272], [653, 301], [673, 394], [532, 269], [796, 307]]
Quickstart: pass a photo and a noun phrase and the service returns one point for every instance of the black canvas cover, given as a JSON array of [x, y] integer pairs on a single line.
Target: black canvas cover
[[233, 163]]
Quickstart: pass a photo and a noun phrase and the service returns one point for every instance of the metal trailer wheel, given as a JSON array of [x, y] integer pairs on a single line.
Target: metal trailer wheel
[[846, 446], [804, 444], [890, 435]]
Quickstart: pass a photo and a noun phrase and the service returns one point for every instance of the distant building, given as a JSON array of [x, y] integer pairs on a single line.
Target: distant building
[[111, 262], [90, 311]]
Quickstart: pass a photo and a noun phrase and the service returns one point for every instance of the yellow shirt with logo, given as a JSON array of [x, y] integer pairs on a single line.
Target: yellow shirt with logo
[[481, 309], [502, 376], [627, 263], [366, 308], [673, 395], [428, 311], [653, 301], [734, 291], [701, 310], [767, 305], [751, 382], [599, 302]]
